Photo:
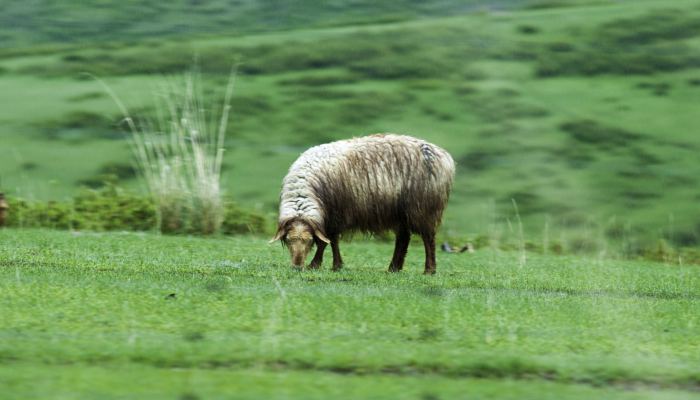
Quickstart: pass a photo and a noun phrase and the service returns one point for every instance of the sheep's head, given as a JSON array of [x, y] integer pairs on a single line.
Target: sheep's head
[[299, 236]]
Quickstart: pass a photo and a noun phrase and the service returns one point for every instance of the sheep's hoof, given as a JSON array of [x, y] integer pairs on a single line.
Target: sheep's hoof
[[314, 266], [394, 269], [429, 272], [338, 267]]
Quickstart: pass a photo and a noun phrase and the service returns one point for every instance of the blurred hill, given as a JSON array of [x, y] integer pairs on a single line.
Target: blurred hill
[[584, 113], [45, 21]]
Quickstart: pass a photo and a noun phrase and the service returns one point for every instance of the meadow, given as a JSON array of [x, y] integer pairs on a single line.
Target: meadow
[[574, 128], [583, 113], [118, 315]]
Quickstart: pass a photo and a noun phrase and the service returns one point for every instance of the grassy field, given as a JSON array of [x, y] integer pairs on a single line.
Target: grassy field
[[121, 315], [583, 112], [574, 125]]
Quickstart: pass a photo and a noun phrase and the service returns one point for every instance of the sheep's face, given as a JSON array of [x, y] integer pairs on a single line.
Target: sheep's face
[[299, 239]]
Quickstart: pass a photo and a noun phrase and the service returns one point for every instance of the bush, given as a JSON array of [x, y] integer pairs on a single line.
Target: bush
[[120, 170], [528, 29], [652, 27], [501, 105], [393, 67], [321, 80], [640, 45], [106, 209], [367, 107], [591, 132], [657, 88], [81, 125], [111, 208], [240, 221], [29, 214], [479, 160]]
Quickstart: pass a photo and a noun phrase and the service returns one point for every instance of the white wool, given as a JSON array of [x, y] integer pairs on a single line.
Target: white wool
[[297, 198]]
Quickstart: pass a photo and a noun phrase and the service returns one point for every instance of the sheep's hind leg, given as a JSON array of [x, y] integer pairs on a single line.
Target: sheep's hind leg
[[429, 243], [318, 257], [403, 238], [337, 259]]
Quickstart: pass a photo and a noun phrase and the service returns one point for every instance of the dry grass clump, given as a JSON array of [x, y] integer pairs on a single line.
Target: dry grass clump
[[180, 152]]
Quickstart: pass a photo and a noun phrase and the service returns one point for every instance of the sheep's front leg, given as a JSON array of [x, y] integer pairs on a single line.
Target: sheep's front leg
[[403, 238], [318, 257], [337, 259]]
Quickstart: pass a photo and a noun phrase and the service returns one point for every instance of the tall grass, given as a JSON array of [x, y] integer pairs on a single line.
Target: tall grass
[[179, 153]]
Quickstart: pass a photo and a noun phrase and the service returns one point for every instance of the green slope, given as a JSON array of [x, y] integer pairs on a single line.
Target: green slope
[[584, 115], [43, 21]]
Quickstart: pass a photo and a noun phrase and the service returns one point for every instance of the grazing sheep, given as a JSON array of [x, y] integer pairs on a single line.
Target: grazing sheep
[[3, 209], [370, 184]]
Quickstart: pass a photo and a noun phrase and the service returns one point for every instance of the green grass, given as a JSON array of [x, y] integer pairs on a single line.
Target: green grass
[[67, 381], [166, 316], [584, 112]]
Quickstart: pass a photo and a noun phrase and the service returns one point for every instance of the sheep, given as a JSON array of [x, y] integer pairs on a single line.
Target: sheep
[[371, 184]]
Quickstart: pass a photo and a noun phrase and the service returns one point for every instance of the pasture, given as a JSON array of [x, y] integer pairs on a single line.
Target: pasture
[[574, 127], [532, 100], [123, 315]]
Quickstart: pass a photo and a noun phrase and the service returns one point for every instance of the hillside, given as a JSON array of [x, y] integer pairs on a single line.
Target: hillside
[[67, 22], [583, 115]]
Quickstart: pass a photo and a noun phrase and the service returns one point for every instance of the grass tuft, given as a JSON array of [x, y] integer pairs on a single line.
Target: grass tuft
[[180, 155]]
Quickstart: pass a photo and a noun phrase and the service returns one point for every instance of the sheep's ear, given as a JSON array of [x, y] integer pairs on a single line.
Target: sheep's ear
[[321, 236], [318, 232], [279, 235]]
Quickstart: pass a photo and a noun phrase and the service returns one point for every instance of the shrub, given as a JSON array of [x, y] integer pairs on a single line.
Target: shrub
[[639, 45], [684, 238], [561, 47], [593, 133], [657, 88], [392, 67], [501, 105], [34, 214], [528, 29], [479, 160], [106, 209], [367, 107], [28, 166], [543, 4], [81, 125], [86, 96], [659, 25], [120, 170], [111, 208], [321, 80], [239, 221], [465, 90]]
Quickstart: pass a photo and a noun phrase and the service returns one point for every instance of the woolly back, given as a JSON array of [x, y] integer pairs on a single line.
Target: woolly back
[[373, 183]]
